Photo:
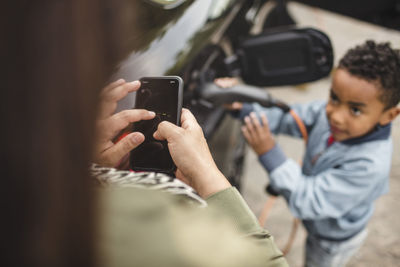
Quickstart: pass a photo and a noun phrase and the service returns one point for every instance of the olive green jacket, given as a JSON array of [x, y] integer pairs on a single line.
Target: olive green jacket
[[141, 227]]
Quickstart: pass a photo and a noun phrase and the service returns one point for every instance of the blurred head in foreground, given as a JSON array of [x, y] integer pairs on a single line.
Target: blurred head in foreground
[[56, 56]]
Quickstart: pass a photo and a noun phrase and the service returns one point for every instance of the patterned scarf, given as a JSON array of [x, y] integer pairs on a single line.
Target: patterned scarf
[[148, 180]]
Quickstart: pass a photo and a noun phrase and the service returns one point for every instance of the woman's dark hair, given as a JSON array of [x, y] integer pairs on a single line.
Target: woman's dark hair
[[56, 55], [376, 62]]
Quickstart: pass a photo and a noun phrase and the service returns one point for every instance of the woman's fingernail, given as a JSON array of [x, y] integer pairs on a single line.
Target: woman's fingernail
[[151, 113]]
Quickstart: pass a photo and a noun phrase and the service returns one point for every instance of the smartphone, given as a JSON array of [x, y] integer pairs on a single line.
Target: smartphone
[[163, 95]]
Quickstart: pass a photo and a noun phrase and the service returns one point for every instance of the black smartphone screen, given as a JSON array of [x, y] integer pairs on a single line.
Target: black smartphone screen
[[163, 95]]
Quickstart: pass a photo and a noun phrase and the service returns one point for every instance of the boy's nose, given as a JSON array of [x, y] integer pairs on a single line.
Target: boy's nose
[[337, 116]]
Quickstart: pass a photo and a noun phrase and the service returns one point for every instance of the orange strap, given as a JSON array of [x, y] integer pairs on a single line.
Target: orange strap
[[293, 231], [266, 209], [271, 199], [300, 124]]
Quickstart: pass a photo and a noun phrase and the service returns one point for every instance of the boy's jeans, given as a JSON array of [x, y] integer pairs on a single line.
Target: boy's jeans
[[323, 253]]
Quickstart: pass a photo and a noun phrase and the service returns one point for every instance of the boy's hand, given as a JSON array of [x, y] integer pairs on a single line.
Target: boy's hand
[[234, 106], [258, 136], [225, 83]]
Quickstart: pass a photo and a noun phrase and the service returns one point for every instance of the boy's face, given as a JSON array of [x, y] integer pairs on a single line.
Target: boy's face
[[354, 107]]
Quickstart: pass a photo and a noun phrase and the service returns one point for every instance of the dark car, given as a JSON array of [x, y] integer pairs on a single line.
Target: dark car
[[200, 40]]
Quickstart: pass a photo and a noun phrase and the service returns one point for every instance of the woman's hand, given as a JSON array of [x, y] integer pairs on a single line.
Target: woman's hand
[[109, 125], [258, 136], [191, 154]]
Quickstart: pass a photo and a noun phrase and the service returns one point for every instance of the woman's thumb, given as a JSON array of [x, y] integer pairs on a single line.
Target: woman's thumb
[[123, 147]]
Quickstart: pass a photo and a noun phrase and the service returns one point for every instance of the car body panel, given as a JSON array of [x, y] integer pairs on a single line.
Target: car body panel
[[165, 49]]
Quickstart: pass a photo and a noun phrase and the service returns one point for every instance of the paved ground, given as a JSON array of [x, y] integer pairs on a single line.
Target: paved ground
[[382, 247]]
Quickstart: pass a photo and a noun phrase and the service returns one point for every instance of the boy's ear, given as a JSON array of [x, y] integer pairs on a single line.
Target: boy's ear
[[389, 115]]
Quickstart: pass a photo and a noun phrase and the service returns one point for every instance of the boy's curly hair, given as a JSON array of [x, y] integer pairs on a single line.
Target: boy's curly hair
[[376, 62]]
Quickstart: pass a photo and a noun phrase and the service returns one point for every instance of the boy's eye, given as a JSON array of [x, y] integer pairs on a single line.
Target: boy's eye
[[355, 111], [334, 99]]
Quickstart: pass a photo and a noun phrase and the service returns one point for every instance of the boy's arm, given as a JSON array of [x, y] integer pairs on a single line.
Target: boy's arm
[[330, 194]]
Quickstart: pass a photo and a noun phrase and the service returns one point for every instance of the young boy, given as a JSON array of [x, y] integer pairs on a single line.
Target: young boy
[[348, 155]]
